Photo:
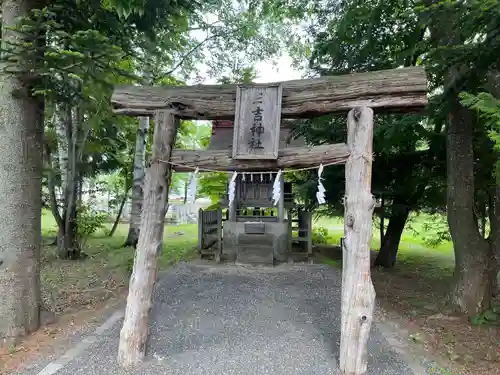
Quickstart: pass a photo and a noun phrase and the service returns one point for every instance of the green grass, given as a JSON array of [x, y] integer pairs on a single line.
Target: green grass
[[109, 264], [175, 247], [70, 284], [412, 288], [414, 253]]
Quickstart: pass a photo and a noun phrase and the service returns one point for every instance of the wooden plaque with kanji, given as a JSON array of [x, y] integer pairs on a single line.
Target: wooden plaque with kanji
[[257, 122]]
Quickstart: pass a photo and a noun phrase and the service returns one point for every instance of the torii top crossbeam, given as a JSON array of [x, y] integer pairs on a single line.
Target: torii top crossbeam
[[396, 90]]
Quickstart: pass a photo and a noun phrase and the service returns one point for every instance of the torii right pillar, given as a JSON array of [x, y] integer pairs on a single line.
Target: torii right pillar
[[358, 294]]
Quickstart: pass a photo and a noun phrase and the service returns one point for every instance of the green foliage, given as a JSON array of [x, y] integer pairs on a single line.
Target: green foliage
[[89, 222], [68, 57], [488, 317], [365, 35], [124, 8], [115, 184], [73, 52], [470, 42], [81, 57], [354, 36], [459, 55], [440, 371], [239, 75], [435, 230], [239, 34], [320, 236], [488, 107], [191, 136], [179, 183], [212, 185]]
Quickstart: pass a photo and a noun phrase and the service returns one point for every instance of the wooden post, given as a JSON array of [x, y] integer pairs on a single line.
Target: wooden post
[[134, 333], [219, 235], [308, 221], [302, 225], [358, 294], [200, 229], [290, 226]]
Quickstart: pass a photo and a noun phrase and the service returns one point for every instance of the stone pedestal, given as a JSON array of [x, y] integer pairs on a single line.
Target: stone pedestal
[[243, 244]]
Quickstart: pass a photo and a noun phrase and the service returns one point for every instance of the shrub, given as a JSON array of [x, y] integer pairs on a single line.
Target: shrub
[[89, 222], [320, 236]]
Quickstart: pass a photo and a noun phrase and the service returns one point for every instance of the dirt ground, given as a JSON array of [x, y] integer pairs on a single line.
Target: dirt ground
[[77, 294], [50, 340], [417, 305], [75, 297], [413, 303]]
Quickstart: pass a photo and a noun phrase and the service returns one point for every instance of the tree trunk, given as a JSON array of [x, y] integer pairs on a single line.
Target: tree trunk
[[138, 182], [67, 241], [494, 238], [51, 186], [481, 216], [472, 290], [134, 333], [80, 189], [382, 220], [62, 148], [390, 243], [118, 215], [62, 157], [21, 134], [186, 184]]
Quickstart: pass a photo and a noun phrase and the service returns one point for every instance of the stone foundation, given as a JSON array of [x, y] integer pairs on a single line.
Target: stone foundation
[[264, 244]]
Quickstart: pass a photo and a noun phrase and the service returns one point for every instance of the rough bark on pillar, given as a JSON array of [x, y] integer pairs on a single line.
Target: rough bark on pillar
[[134, 333], [358, 294]]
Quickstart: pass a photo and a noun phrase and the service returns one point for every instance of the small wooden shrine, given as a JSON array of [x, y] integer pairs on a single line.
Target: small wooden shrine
[[255, 228], [256, 111]]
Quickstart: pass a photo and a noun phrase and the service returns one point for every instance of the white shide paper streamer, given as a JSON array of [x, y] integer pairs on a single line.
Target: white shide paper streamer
[[232, 188], [320, 194], [277, 188], [192, 186]]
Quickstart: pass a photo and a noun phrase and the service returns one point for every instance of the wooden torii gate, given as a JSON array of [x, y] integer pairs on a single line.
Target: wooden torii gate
[[397, 90]]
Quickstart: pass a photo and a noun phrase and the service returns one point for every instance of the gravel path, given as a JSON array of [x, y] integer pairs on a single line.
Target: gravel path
[[241, 320]]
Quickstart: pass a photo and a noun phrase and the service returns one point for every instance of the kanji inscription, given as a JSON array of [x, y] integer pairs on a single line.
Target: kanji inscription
[[257, 122]]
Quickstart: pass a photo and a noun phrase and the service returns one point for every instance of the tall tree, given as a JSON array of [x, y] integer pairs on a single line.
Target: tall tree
[[462, 65], [139, 174], [361, 36], [459, 55], [84, 55], [21, 132]]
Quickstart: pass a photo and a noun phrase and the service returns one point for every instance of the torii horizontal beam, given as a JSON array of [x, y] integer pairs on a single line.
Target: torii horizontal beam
[[296, 157], [396, 90]]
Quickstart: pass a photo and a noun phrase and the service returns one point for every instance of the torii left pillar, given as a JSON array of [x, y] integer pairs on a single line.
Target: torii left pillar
[[134, 333]]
